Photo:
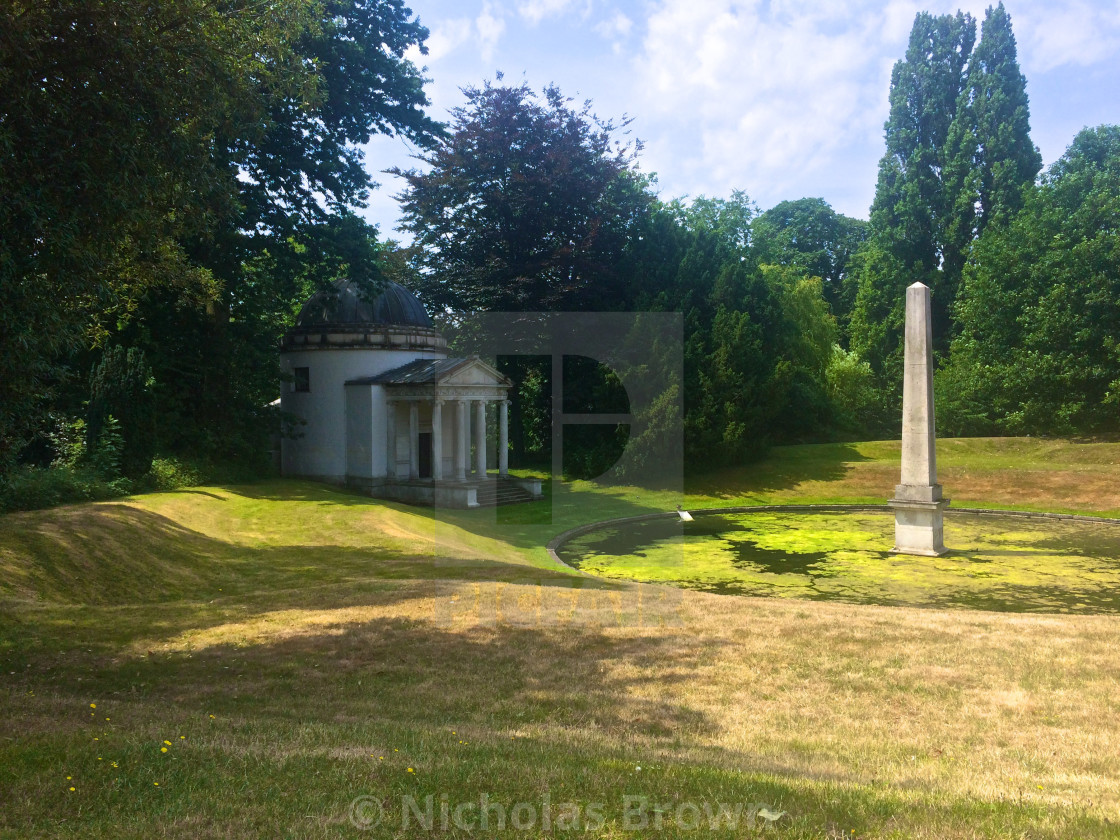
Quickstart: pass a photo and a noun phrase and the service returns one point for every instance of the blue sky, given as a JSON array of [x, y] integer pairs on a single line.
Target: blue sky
[[781, 98]]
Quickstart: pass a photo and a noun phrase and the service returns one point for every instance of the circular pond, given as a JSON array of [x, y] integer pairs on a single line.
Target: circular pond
[[996, 562]]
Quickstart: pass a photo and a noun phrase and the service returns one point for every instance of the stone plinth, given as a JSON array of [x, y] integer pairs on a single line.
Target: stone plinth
[[919, 527]]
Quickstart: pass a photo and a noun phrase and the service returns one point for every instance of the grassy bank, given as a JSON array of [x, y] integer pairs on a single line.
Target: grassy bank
[[1013, 473], [301, 649]]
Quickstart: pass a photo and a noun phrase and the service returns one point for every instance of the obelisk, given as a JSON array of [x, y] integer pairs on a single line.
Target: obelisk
[[918, 505]]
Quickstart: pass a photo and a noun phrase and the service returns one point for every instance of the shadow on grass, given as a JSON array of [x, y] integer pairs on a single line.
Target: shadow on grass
[[303, 714], [783, 468], [301, 490], [414, 672], [109, 575]]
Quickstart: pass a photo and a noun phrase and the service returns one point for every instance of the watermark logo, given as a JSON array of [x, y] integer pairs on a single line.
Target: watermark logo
[[366, 813], [609, 399], [634, 813], [560, 602]]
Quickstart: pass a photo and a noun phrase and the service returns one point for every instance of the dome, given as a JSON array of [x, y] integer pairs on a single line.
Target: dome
[[344, 305]]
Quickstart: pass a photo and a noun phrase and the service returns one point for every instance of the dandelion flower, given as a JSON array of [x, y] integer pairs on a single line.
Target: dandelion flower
[[156, 784], [163, 749], [168, 743], [410, 770], [182, 737], [93, 705], [67, 778], [71, 790]]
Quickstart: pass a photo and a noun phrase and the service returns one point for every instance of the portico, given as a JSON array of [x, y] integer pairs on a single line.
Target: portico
[[428, 433], [435, 440]]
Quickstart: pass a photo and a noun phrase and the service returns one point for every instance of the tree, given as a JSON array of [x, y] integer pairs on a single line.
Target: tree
[[121, 388], [958, 157], [991, 157], [910, 200], [528, 204], [809, 234], [154, 152], [1038, 350]]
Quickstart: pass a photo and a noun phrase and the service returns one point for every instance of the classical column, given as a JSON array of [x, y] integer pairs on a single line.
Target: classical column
[[480, 436], [462, 445], [503, 438], [413, 439], [437, 440], [390, 439], [917, 503]]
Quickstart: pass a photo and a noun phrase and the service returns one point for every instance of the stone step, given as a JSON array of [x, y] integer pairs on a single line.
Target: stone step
[[492, 494]]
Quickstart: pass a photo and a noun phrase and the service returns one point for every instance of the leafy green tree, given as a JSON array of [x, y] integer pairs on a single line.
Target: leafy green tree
[[991, 156], [1038, 349], [120, 388], [528, 204], [958, 158], [151, 154], [910, 199], [809, 234]]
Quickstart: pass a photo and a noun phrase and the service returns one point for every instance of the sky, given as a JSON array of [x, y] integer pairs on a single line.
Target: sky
[[783, 99]]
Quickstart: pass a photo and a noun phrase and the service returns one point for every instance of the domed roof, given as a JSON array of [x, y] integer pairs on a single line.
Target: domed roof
[[344, 304]]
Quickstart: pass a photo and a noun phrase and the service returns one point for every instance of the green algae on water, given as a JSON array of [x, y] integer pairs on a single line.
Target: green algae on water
[[1003, 562]]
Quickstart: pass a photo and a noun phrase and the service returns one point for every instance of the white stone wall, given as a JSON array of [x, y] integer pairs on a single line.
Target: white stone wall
[[321, 452]]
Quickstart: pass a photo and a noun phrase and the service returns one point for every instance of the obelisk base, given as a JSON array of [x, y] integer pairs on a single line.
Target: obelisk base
[[919, 526]]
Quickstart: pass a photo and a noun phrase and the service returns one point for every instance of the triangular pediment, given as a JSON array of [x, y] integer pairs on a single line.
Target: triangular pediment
[[472, 371]]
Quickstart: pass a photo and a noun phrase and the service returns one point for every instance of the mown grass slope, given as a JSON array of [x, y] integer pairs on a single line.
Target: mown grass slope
[[317, 661]]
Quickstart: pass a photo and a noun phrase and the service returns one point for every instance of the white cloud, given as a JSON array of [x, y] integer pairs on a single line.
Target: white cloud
[[534, 11], [446, 36], [1053, 34], [772, 92], [618, 26], [490, 26]]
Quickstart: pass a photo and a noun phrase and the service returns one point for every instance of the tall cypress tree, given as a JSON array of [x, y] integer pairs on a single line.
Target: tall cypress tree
[[1006, 159], [958, 156], [991, 156], [911, 205]]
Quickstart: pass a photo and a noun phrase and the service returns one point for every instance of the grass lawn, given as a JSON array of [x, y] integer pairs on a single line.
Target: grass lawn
[[284, 660]]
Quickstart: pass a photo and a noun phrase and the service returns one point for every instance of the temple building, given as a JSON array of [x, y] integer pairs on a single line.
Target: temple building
[[384, 410]]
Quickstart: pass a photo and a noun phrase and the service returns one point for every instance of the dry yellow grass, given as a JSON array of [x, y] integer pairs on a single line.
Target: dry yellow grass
[[965, 705], [310, 650]]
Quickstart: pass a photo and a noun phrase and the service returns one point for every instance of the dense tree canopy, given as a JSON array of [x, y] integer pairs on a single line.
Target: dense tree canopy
[[527, 204], [156, 159], [1039, 344], [810, 234]]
